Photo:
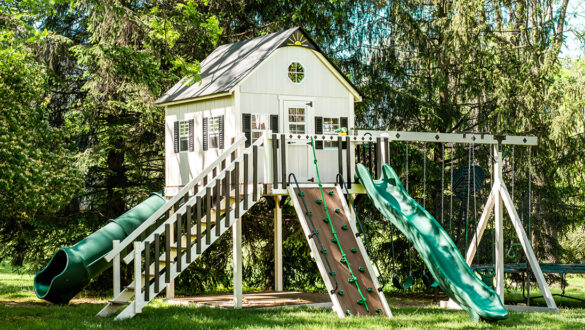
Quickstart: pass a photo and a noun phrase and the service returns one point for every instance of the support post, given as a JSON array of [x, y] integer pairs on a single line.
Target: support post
[[138, 297], [277, 245], [237, 260], [499, 222], [116, 270]]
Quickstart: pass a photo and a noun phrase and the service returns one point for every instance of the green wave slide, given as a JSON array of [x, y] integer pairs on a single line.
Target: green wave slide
[[71, 268], [433, 244]]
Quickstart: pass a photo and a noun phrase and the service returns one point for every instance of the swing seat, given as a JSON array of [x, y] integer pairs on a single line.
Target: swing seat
[[402, 286], [486, 274]]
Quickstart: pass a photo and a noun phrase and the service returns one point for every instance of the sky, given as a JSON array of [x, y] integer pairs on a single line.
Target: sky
[[572, 47]]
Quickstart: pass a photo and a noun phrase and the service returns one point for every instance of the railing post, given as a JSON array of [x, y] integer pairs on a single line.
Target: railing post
[[116, 270], [178, 240], [156, 263], [189, 232], [348, 162], [386, 151], [138, 299], [208, 215], [283, 160], [146, 271], [237, 189], [199, 201], [274, 162], [227, 198], [340, 155], [378, 156], [255, 172], [217, 197], [246, 179]]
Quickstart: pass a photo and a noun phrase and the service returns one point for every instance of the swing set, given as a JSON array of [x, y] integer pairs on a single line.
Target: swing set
[[466, 184]]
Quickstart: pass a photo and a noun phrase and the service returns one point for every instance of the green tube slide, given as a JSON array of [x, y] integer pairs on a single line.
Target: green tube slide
[[72, 267], [433, 244]]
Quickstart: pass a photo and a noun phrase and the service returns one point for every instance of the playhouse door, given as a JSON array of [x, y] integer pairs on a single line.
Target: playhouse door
[[297, 115]]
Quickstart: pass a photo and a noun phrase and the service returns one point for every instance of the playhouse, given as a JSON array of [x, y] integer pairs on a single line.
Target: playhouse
[[280, 82], [273, 118]]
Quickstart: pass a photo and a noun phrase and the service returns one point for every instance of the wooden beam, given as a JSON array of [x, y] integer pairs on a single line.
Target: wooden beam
[[548, 298], [277, 245], [483, 221], [237, 260]]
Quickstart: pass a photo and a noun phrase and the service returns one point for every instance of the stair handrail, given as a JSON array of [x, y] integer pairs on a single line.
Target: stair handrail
[[171, 202], [173, 218]]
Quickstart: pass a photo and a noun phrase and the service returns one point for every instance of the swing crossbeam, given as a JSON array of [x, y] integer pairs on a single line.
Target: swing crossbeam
[[476, 138]]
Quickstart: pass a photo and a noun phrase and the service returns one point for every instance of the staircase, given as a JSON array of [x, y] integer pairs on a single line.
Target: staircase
[[180, 231]]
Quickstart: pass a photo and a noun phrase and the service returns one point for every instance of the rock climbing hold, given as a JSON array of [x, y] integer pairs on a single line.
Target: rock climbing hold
[[343, 260], [301, 194], [369, 289], [344, 227], [351, 280], [326, 220], [341, 293], [348, 312], [362, 269], [378, 310], [334, 240], [319, 201], [337, 211], [354, 250], [309, 213], [331, 192], [361, 301], [324, 251]]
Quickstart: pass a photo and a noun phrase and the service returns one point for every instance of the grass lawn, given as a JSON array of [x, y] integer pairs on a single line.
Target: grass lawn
[[19, 308]]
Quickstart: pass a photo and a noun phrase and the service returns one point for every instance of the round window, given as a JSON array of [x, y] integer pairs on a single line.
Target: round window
[[296, 72]]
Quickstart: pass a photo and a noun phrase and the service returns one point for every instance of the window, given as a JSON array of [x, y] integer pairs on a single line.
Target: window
[[330, 124], [296, 72], [213, 132], [184, 135], [296, 120], [260, 123]]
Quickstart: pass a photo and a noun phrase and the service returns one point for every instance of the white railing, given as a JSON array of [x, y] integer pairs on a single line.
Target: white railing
[[171, 202]]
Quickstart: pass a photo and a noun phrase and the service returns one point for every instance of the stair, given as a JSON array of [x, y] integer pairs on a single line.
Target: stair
[[124, 299], [148, 256]]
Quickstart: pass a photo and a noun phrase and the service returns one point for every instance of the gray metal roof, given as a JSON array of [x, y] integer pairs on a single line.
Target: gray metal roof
[[227, 65]]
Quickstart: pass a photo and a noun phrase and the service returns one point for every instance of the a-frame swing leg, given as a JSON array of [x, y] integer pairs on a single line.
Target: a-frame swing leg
[[527, 247], [481, 226]]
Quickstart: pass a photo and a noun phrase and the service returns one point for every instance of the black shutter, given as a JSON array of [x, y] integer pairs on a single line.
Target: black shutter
[[191, 133], [274, 123], [221, 132], [247, 128], [318, 130], [205, 135], [176, 135], [343, 122]]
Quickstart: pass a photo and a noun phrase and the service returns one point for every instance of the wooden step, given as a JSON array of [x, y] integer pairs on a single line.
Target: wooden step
[[118, 302]]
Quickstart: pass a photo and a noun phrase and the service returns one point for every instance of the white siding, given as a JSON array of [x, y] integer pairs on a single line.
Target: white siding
[[182, 167], [268, 88]]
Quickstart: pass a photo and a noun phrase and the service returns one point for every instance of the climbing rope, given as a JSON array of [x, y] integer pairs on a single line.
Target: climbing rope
[[353, 278], [315, 232], [362, 232]]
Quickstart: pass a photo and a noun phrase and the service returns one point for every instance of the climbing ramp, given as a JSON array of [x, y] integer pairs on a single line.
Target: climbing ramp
[[433, 245], [338, 251]]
